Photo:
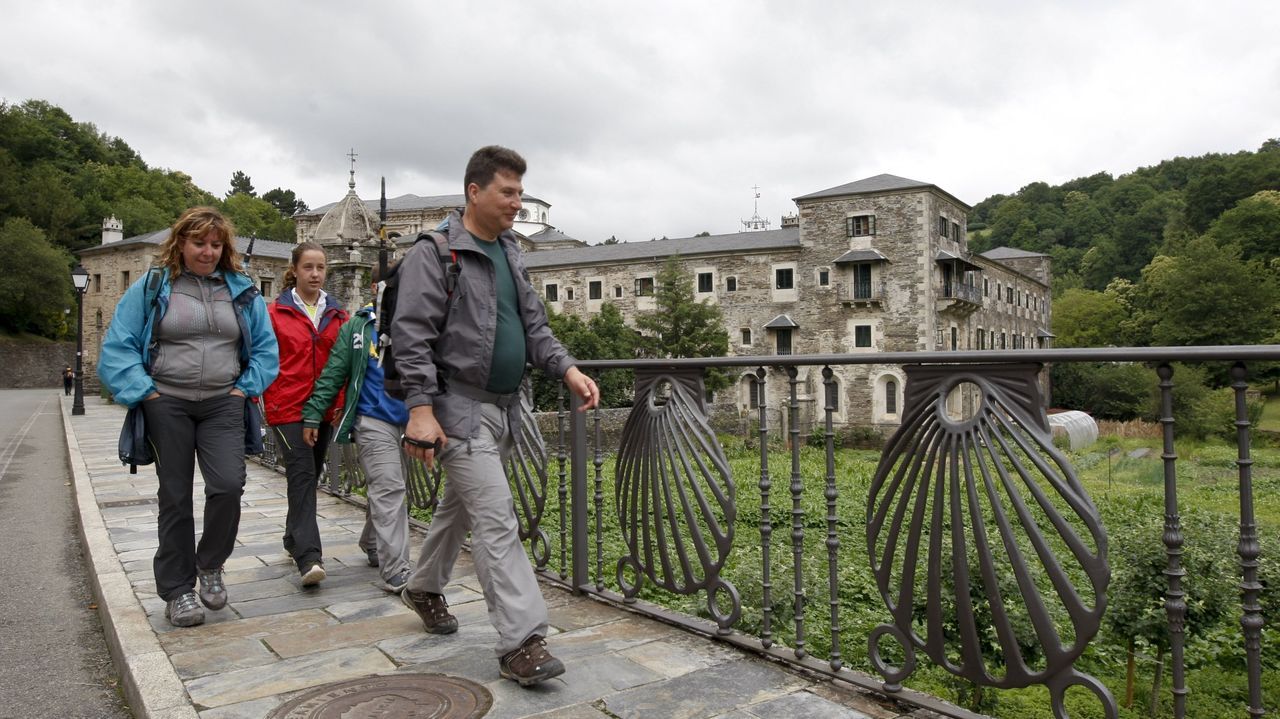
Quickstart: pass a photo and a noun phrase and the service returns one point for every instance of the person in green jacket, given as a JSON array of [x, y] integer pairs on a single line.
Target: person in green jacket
[[375, 422]]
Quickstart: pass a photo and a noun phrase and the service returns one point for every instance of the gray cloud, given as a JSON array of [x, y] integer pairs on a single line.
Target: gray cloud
[[649, 119]]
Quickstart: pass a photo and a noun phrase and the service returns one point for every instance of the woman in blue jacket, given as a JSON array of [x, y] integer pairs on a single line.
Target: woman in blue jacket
[[191, 341]]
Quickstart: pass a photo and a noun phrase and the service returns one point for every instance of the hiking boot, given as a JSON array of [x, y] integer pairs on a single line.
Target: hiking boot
[[184, 611], [395, 583], [530, 664], [372, 554], [213, 593], [314, 575], [432, 609]]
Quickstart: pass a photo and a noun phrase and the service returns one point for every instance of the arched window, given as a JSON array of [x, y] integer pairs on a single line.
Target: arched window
[[890, 397]]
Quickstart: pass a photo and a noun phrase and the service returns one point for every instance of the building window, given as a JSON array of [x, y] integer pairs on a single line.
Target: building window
[[704, 282], [824, 277], [594, 290], [784, 278], [986, 287], [943, 225], [955, 231], [890, 397], [731, 284], [832, 395], [1002, 341], [784, 341], [265, 287], [862, 336], [617, 290], [753, 388], [644, 287], [97, 283], [1008, 294], [980, 339], [955, 339], [553, 292], [124, 280], [860, 225], [746, 336], [568, 293]]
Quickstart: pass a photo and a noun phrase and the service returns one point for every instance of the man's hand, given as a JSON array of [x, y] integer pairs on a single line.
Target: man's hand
[[423, 427], [310, 435], [584, 387], [236, 391]]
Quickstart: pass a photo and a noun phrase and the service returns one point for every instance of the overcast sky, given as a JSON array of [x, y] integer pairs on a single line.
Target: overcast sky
[[650, 119]]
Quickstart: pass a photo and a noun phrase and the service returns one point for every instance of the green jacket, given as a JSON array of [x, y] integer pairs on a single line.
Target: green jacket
[[347, 364]]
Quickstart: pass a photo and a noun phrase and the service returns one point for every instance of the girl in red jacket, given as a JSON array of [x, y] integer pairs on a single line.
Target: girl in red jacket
[[306, 322]]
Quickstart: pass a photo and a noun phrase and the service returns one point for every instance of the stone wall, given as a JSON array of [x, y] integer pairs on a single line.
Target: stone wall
[[34, 363]]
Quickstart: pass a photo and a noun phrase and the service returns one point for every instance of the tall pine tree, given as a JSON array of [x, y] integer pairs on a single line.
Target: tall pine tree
[[680, 326]]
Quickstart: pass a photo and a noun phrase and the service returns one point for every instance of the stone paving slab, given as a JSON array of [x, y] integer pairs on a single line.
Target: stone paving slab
[[276, 638]]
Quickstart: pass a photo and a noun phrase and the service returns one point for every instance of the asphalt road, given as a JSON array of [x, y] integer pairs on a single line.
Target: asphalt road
[[53, 657]]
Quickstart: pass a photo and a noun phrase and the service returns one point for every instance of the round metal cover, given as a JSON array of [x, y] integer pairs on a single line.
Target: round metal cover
[[407, 696]]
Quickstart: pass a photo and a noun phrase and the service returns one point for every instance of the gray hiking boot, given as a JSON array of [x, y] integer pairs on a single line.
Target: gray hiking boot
[[213, 593], [396, 583], [184, 611]]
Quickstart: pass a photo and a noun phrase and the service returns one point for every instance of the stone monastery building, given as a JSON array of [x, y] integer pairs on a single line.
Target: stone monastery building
[[876, 265]]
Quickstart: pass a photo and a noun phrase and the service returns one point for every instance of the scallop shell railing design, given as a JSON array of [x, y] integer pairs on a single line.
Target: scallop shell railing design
[[988, 553], [527, 474], [675, 495]]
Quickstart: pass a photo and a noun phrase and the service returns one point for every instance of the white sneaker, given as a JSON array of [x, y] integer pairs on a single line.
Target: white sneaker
[[313, 576]]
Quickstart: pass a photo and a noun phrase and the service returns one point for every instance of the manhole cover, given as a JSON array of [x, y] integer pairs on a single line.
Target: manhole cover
[[411, 696]]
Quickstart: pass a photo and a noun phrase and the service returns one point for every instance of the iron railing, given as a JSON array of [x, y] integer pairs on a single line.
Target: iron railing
[[986, 552]]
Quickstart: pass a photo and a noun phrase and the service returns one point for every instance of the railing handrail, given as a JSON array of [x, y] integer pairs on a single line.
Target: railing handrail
[[1072, 354]]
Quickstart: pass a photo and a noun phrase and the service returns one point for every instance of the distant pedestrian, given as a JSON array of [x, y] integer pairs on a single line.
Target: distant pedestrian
[[306, 323], [375, 422], [461, 373], [192, 357], [68, 379]]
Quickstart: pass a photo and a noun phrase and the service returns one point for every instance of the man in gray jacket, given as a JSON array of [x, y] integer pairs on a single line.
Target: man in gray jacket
[[461, 377]]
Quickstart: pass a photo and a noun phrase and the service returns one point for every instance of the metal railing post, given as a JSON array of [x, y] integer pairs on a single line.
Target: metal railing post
[[580, 560]]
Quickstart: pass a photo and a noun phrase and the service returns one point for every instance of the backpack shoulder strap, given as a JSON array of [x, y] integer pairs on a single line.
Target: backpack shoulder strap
[[448, 258]]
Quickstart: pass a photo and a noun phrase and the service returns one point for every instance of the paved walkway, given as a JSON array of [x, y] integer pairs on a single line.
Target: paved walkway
[[276, 640]]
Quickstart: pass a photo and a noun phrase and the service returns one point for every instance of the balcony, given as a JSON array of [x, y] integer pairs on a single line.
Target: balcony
[[860, 294], [959, 298], [972, 547]]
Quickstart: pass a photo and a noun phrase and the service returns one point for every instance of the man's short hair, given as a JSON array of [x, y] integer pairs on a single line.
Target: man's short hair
[[488, 161]]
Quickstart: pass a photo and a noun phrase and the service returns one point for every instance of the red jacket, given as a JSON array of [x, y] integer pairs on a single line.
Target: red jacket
[[303, 352]]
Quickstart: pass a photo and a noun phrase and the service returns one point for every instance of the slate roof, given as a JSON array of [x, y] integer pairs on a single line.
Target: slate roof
[[261, 247], [860, 256], [781, 322], [1010, 253], [877, 184], [784, 238], [410, 202], [551, 234]]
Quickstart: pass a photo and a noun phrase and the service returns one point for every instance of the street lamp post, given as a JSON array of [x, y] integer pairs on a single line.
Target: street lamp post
[[79, 278]]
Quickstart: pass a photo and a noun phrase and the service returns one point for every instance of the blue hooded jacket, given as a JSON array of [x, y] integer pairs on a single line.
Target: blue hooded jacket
[[126, 348]]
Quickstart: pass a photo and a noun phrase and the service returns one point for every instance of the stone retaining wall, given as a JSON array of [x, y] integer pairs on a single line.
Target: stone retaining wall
[[28, 364]]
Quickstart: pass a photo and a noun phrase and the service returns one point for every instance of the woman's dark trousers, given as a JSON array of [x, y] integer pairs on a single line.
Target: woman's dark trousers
[[302, 466], [182, 432]]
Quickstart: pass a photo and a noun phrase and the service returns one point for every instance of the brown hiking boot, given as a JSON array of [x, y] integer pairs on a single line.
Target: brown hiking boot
[[530, 664], [432, 609]]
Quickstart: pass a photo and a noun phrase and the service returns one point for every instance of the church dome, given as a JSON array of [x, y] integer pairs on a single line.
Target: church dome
[[348, 221]]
